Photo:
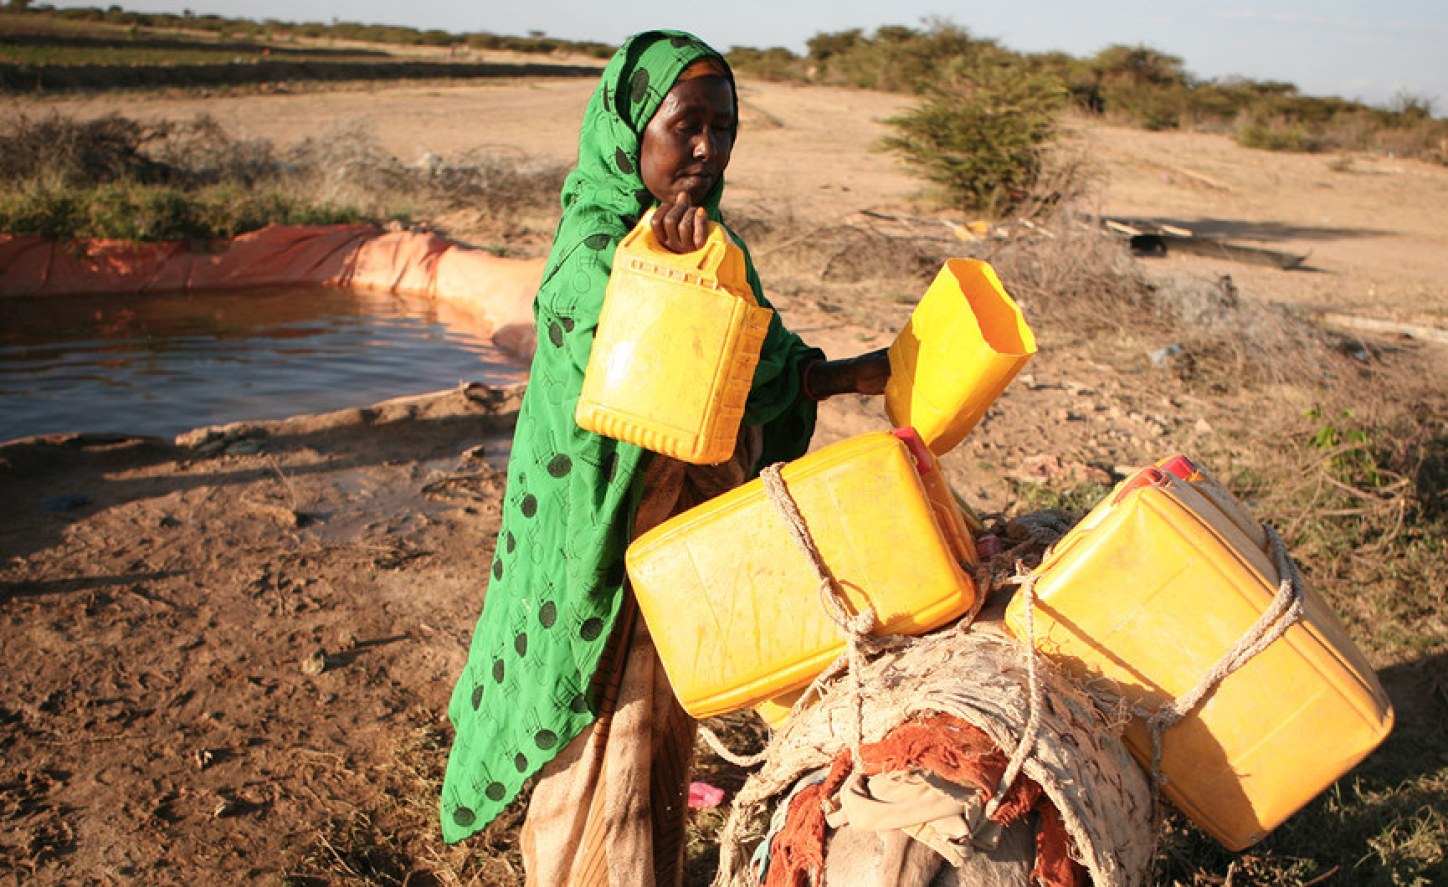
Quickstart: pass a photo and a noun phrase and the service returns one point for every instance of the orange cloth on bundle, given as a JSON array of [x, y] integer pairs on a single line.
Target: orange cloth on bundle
[[950, 748]]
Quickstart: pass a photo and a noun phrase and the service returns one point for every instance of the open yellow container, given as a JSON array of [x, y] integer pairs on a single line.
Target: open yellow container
[[677, 342], [963, 344], [1149, 591], [733, 604]]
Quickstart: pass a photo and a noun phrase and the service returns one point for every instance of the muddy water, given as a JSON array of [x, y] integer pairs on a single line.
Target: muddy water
[[164, 363]]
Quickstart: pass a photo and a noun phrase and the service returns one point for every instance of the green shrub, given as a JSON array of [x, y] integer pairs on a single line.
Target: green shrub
[[1082, 82], [896, 58], [1152, 108], [1142, 85], [981, 132], [1276, 135], [775, 63]]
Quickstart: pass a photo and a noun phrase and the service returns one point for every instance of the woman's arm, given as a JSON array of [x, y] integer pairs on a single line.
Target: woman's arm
[[865, 374], [682, 228]]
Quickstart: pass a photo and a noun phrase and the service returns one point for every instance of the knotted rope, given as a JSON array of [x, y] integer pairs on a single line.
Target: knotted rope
[[1035, 699], [712, 740], [1284, 612], [1085, 769], [856, 629]]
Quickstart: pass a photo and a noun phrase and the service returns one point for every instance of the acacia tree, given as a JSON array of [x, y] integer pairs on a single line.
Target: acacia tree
[[981, 131]]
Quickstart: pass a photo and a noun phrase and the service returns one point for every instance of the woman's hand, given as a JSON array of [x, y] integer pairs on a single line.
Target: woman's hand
[[681, 227], [865, 374]]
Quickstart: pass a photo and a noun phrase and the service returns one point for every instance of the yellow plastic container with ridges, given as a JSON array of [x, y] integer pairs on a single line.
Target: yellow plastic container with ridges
[[677, 343], [733, 604], [1149, 591], [963, 344]]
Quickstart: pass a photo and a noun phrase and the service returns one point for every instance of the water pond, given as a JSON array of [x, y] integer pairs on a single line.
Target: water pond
[[161, 364]]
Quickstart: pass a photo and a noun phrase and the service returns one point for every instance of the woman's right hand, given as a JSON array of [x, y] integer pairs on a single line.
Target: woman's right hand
[[681, 227]]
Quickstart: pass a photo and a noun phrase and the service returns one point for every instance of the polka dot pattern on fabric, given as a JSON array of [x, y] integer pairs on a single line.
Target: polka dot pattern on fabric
[[638, 86], [552, 598]]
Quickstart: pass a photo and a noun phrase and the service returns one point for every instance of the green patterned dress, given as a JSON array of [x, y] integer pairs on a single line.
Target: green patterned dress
[[558, 575]]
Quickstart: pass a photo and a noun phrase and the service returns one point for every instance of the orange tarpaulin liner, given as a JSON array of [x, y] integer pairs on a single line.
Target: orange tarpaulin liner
[[488, 291]]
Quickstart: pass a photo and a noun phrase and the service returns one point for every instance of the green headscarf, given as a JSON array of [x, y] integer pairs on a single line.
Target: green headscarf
[[558, 574]]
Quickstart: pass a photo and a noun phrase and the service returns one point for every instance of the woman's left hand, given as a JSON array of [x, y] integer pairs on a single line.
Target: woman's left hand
[[865, 374]]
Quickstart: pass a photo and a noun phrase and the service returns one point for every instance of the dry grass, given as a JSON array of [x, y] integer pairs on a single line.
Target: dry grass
[[191, 180], [77, 154], [399, 842]]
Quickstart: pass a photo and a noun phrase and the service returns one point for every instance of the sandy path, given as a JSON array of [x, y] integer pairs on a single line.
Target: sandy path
[[1375, 228]]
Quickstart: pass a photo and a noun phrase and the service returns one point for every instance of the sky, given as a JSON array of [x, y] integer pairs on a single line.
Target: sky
[[1370, 51]]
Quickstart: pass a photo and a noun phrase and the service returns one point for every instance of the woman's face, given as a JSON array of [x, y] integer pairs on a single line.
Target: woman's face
[[686, 145]]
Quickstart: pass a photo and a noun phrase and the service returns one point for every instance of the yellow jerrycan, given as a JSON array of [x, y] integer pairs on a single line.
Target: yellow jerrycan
[[1149, 591], [963, 344], [674, 354], [734, 605]]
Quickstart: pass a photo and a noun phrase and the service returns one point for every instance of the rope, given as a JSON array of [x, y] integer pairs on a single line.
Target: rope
[[712, 740], [1284, 612], [856, 630], [1047, 528], [858, 640], [1035, 700]]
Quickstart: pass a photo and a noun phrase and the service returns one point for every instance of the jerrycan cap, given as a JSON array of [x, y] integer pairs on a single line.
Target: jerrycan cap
[[1146, 477], [1180, 466], [924, 459]]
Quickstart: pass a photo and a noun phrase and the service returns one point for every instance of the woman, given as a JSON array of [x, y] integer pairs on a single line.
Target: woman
[[561, 677]]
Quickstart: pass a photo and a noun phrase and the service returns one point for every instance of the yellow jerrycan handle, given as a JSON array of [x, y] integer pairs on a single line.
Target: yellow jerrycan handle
[[678, 339], [714, 264]]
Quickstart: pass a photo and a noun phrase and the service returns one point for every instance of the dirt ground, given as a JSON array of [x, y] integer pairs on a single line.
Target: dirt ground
[[227, 658]]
